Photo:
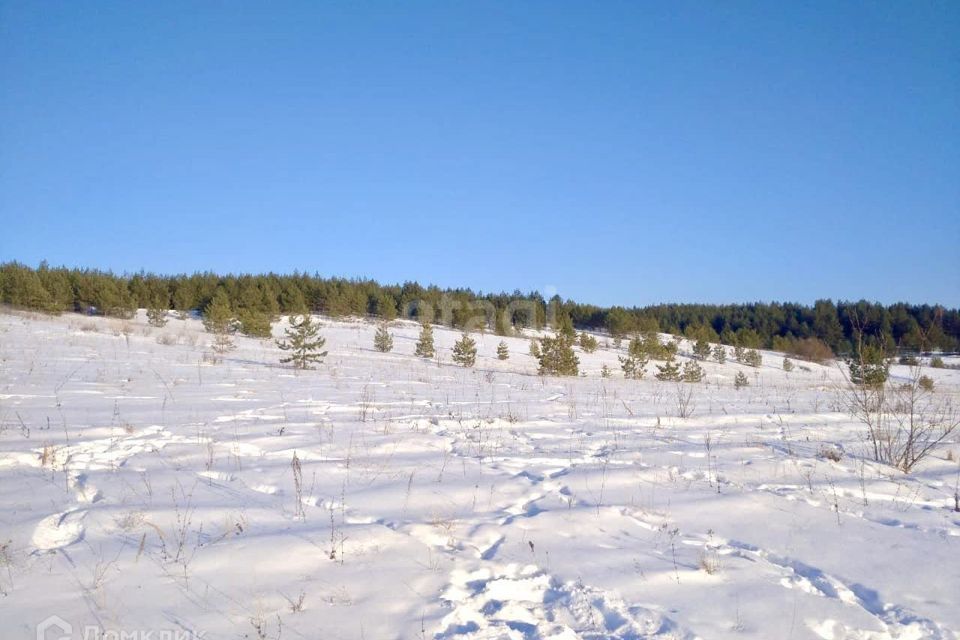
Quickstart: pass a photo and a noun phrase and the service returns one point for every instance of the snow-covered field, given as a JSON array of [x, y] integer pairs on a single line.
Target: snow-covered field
[[143, 488]]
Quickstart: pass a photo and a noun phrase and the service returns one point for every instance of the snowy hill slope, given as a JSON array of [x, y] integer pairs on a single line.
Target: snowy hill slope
[[144, 488]]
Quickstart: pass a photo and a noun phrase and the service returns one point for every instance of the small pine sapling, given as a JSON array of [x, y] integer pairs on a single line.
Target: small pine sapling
[[587, 342], [303, 341], [668, 371], [720, 354], [692, 372], [740, 381], [382, 340], [465, 351], [425, 342]]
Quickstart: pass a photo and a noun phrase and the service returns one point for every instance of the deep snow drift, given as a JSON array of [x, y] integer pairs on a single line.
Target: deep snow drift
[[144, 488]]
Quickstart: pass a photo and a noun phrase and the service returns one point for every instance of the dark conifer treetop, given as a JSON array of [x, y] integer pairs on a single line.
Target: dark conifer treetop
[[832, 326]]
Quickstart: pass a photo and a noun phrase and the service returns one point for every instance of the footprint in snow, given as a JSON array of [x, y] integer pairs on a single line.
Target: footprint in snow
[[59, 530], [525, 602]]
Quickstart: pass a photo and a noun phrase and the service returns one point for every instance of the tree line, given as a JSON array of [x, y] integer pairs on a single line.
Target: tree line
[[825, 327]]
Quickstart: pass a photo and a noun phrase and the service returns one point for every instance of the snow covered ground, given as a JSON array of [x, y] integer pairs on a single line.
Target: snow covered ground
[[143, 488]]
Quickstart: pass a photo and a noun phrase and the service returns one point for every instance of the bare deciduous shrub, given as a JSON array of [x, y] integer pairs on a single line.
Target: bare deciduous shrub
[[297, 469], [684, 401], [904, 422], [296, 606], [709, 561]]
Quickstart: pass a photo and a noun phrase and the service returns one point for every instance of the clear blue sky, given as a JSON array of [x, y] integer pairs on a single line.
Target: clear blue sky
[[615, 152]]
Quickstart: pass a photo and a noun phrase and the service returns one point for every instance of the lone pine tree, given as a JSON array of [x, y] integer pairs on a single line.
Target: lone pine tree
[[868, 366], [218, 319], [382, 340], [633, 366], [668, 371], [503, 352], [739, 353], [465, 351], [157, 311], [557, 357], [587, 342], [702, 349], [670, 350], [740, 381], [720, 353], [692, 372], [752, 358], [303, 341], [425, 342]]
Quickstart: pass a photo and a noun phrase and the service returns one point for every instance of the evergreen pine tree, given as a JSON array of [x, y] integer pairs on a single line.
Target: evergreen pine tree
[[292, 300], [702, 349], [254, 323], [604, 371], [692, 372], [739, 353], [503, 352], [740, 381], [23, 288], [382, 340], [752, 358], [868, 366], [557, 357], [218, 319], [649, 343], [425, 342], [535, 348], [787, 365], [565, 328], [303, 341], [385, 307], [587, 342], [668, 371], [670, 350], [720, 353], [501, 324], [465, 351], [182, 302], [633, 366], [157, 311], [56, 282]]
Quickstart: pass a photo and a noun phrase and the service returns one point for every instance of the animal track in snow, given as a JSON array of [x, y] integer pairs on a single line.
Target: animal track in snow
[[526, 603], [898, 621], [59, 530]]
